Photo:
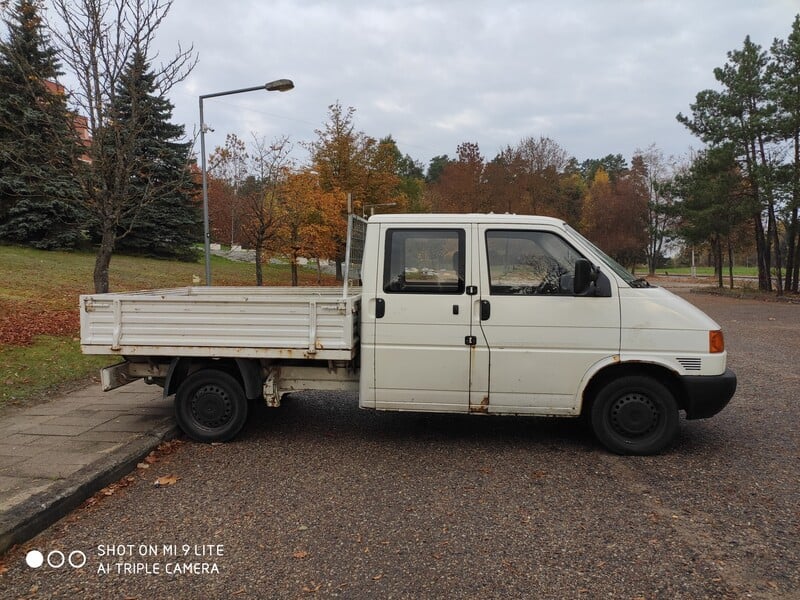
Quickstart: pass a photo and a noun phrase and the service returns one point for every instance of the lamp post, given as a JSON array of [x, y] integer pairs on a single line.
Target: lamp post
[[279, 85]]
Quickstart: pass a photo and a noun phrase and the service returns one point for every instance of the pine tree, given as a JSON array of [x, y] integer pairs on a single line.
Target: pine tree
[[784, 78], [741, 114], [715, 201], [169, 223], [39, 147]]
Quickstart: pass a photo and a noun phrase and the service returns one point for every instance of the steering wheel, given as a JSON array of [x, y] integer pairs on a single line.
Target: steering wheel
[[550, 282]]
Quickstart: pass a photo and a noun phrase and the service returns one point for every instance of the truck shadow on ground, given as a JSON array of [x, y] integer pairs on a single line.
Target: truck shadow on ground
[[330, 415], [338, 414]]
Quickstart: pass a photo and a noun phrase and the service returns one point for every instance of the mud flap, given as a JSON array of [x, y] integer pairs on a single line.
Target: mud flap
[[116, 376]]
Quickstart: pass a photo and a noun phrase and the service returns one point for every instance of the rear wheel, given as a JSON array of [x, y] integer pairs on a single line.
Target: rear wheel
[[635, 415], [210, 406]]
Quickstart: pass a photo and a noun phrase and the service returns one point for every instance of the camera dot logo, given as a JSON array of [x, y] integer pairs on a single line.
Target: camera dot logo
[[34, 559], [56, 559]]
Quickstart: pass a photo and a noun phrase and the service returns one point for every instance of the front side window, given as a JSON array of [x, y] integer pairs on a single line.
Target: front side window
[[424, 261], [529, 263]]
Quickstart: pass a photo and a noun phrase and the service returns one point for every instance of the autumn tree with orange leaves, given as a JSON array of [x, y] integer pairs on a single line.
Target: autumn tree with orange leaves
[[348, 161], [615, 215], [310, 219], [534, 177], [461, 187]]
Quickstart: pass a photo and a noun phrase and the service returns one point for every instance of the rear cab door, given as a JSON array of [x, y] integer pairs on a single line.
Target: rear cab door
[[421, 317]]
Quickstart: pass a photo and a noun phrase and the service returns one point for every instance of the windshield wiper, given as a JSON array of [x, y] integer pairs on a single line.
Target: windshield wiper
[[641, 282]]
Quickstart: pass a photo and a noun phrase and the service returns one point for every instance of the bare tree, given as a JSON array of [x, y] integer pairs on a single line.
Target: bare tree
[[661, 223], [270, 164], [98, 40], [543, 161], [229, 164], [542, 154]]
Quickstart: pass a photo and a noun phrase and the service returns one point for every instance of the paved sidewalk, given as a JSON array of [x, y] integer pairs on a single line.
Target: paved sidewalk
[[55, 455]]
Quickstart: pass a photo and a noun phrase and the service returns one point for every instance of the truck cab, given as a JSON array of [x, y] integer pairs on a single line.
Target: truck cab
[[521, 315]]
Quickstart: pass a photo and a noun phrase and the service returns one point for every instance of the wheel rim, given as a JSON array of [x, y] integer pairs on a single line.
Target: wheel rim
[[634, 415], [211, 406]]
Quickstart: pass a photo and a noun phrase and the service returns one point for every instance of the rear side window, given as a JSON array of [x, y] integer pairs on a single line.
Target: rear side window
[[529, 263], [424, 261]]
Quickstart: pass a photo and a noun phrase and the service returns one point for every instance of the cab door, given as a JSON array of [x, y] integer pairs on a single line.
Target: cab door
[[422, 318], [537, 339]]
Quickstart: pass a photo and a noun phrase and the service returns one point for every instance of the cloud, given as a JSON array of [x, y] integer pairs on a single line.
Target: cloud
[[597, 77]]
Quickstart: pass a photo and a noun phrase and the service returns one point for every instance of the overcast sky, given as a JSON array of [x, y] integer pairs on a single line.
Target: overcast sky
[[597, 76]]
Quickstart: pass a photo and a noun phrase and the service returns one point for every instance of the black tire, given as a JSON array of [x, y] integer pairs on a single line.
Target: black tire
[[210, 406], [635, 415]]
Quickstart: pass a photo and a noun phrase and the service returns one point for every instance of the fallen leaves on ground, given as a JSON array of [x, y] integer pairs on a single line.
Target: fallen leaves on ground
[[164, 449], [165, 480], [19, 325], [106, 492], [167, 447]]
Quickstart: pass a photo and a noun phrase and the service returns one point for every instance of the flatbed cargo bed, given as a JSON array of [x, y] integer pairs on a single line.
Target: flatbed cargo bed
[[243, 322]]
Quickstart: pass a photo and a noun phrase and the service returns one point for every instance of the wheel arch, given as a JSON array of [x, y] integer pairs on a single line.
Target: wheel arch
[[664, 375], [246, 371]]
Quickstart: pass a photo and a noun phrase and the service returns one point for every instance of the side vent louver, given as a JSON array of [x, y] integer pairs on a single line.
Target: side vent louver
[[690, 364]]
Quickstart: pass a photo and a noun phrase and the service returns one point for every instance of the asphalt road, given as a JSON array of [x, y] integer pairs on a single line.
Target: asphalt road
[[320, 499]]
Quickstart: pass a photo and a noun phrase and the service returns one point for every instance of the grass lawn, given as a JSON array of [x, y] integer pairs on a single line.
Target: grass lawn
[[39, 320], [40, 368], [709, 271]]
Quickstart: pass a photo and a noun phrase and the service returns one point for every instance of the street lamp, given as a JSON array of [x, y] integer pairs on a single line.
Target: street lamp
[[279, 85]]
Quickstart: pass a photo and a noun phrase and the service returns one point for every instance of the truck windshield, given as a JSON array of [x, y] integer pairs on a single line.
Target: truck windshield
[[626, 275]]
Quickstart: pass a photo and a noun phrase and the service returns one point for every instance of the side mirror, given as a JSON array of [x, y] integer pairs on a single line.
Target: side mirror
[[585, 276]]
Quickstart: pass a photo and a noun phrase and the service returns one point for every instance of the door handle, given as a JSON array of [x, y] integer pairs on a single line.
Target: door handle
[[486, 310], [380, 308]]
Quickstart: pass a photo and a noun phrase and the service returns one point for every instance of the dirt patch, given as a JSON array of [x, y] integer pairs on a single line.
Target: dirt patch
[[744, 294], [702, 286]]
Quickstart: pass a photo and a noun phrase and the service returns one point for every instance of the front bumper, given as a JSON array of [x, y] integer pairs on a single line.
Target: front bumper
[[706, 395]]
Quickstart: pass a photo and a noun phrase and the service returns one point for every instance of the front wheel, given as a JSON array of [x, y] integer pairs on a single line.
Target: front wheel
[[210, 406], [635, 415]]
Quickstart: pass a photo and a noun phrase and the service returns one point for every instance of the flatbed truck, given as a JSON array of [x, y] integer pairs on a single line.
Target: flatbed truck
[[481, 314]]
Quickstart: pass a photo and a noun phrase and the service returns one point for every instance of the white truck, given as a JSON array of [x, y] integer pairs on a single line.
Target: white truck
[[483, 314]]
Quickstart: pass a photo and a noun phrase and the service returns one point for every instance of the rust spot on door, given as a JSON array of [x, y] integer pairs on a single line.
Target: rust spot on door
[[483, 407]]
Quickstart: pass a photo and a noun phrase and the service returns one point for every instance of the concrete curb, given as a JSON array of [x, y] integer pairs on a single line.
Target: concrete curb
[[37, 513]]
